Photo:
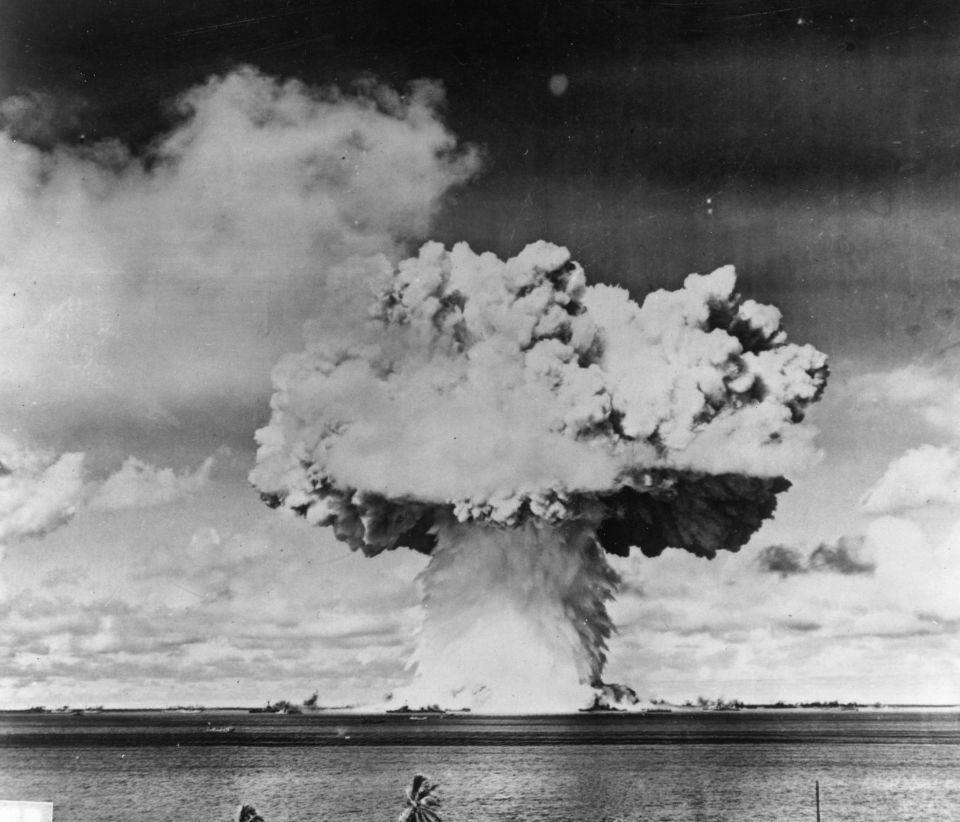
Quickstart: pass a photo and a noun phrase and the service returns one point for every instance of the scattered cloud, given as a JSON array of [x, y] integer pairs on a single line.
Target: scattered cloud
[[842, 558], [850, 607], [924, 476], [782, 559], [925, 391], [138, 484], [38, 491], [215, 606]]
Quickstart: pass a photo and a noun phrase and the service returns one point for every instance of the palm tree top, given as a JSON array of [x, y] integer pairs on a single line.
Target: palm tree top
[[247, 813], [422, 804]]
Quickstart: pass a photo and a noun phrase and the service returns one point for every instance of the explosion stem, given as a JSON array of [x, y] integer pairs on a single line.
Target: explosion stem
[[515, 619]]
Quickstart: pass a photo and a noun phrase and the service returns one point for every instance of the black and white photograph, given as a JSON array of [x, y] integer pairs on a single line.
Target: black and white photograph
[[448, 411]]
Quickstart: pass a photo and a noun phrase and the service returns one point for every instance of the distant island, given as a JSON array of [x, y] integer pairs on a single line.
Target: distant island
[[654, 706]]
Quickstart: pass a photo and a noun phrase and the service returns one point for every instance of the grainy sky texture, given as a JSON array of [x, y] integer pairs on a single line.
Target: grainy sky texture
[[178, 177]]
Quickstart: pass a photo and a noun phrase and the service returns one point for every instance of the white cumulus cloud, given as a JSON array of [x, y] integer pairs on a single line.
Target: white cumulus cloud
[[38, 491], [138, 484], [197, 263], [929, 393], [928, 475]]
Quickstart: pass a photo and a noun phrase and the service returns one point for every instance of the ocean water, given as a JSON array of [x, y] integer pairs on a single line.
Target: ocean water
[[687, 767]]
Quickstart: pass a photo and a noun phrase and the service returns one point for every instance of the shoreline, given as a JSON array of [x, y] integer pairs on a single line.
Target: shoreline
[[663, 710]]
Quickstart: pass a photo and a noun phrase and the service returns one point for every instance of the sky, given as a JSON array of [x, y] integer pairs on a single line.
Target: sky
[[180, 179]]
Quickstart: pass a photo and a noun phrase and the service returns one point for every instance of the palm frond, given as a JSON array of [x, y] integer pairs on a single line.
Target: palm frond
[[247, 813], [421, 801]]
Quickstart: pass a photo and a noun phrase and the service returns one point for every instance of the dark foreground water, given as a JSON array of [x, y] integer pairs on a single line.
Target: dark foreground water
[[121, 767]]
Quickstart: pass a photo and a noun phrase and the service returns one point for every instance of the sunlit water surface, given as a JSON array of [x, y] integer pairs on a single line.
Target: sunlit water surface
[[121, 767]]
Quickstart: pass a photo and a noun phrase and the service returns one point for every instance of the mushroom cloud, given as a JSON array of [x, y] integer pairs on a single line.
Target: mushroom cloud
[[517, 424]]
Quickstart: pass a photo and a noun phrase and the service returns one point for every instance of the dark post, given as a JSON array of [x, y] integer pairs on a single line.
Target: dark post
[[818, 800]]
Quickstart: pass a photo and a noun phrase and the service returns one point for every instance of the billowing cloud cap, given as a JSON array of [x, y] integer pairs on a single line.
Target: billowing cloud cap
[[455, 386]]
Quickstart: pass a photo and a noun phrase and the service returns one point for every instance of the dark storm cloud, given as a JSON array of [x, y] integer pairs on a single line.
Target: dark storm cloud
[[841, 558]]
